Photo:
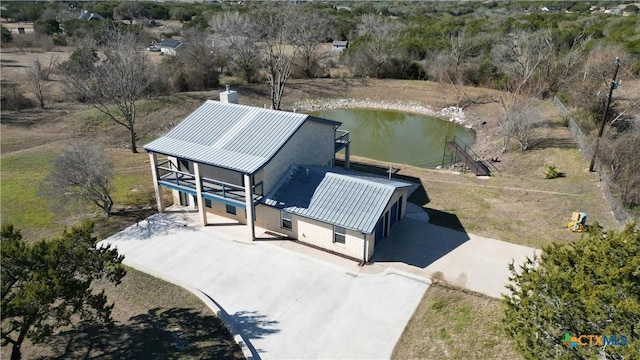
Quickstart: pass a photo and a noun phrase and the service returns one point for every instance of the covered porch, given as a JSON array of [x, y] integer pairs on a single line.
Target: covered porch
[[167, 174]]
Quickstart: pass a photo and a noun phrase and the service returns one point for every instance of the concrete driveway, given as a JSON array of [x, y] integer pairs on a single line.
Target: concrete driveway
[[284, 304], [470, 261]]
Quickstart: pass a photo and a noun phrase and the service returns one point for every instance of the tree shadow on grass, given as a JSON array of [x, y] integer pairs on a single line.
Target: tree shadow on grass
[[553, 143], [121, 220], [159, 334]]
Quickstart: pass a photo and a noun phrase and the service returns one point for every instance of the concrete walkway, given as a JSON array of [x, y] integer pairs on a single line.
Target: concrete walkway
[[284, 304]]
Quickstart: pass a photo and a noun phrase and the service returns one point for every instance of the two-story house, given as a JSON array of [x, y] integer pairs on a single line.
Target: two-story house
[[275, 170]]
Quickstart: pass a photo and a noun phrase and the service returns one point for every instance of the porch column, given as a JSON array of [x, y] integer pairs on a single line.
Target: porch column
[[248, 190], [346, 156], [153, 159], [201, 208]]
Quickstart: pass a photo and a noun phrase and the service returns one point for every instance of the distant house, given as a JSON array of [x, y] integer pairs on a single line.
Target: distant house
[[86, 15], [339, 45], [169, 46], [274, 170]]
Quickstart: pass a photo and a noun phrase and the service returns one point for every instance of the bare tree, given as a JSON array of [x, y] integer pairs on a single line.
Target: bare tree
[[311, 31], [269, 40], [518, 120], [81, 175], [35, 81], [277, 29], [621, 157], [235, 39], [521, 55], [37, 74], [198, 61], [377, 44], [115, 82], [561, 71], [461, 48], [592, 79]]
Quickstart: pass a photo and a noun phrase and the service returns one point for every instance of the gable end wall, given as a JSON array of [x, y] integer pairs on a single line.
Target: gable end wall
[[312, 144]]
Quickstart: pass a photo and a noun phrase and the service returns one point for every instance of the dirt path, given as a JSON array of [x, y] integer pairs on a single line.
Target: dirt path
[[505, 187]]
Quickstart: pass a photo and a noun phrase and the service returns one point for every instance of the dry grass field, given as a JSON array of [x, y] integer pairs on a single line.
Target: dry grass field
[[517, 205], [445, 326]]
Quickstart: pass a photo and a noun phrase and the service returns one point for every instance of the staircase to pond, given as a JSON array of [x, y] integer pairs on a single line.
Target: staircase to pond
[[459, 151]]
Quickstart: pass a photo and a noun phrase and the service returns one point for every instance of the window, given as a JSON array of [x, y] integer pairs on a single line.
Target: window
[[285, 221], [207, 203], [339, 234], [231, 209]]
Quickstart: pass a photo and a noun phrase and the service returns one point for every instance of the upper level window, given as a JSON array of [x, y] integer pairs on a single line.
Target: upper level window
[[231, 209], [339, 234], [285, 220]]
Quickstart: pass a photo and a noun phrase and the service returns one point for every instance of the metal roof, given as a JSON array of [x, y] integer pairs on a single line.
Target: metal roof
[[344, 198], [236, 137], [170, 43]]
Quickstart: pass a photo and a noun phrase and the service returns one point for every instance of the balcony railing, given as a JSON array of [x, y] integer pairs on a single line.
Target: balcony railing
[[212, 189], [342, 139]]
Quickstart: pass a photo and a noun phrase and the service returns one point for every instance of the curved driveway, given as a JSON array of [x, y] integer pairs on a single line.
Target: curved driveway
[[284, 304]]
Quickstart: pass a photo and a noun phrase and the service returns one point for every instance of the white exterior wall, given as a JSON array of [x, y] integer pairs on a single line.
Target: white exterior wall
[[314, 232], [312, 144], [224, 175], [219, 208]]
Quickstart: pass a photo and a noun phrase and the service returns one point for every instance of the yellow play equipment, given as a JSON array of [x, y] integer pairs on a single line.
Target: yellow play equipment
[[578, 222]]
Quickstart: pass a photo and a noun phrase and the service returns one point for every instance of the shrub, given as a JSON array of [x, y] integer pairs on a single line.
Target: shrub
[[550, 171], [12, 99], [6, 35]]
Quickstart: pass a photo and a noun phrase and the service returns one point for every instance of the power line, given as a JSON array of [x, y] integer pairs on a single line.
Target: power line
[[629, 72]]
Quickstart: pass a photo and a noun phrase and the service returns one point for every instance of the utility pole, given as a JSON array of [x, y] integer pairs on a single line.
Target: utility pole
[[614, 84]]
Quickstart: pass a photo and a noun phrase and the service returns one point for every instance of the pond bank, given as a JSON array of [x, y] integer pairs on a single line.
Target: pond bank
[[452, 113]]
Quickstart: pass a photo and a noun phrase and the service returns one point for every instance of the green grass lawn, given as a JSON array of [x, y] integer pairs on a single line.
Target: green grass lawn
[[21, 205]]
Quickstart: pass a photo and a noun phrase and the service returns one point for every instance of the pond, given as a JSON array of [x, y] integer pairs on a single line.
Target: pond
[[397, 137]]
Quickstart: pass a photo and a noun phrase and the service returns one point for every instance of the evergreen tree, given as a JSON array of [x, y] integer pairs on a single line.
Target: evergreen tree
[[588, 287], [47, 282]]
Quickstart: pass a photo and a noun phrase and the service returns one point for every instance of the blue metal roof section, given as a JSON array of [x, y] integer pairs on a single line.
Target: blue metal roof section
[[345, 198], [236, 137]]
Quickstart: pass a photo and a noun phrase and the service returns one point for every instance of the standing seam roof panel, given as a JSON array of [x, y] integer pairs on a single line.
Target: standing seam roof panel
[[252, 141], [352, 201]]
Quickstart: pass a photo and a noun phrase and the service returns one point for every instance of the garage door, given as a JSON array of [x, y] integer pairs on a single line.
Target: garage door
[[378, 232], [394, 213]]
